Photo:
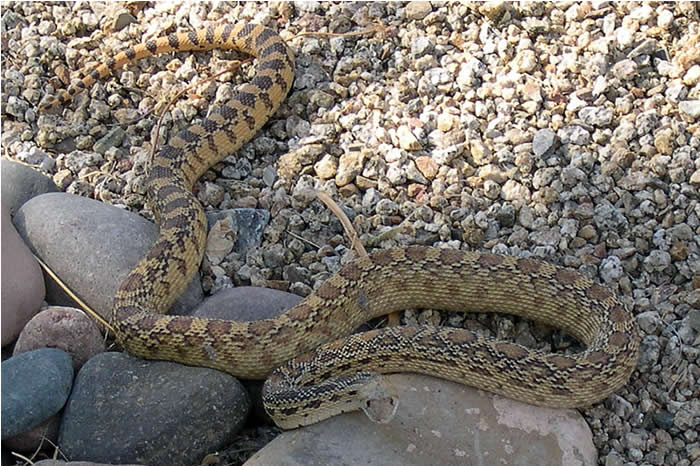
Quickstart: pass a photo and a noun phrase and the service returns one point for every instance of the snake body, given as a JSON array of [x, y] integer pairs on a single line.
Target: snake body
[[315, 369]]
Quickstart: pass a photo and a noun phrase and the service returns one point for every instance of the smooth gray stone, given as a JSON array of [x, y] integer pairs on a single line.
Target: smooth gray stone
[[91, 246], [246, 303], [439, 422], [129, 410], [21, 182], [35, 386]]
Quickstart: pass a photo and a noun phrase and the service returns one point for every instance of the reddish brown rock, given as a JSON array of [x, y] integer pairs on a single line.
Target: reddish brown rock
[[64, 328]]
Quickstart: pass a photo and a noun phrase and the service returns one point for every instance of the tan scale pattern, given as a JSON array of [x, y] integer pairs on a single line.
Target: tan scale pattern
[[315, 369]]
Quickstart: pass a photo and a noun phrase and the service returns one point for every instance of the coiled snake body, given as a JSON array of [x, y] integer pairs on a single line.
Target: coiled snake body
[[315, 369]]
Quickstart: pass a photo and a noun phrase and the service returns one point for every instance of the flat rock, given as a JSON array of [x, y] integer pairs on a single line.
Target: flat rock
[[128, 410], [21, 182], [91, 246], [439, 422], [22, 282], [62, 327], [35, 386]]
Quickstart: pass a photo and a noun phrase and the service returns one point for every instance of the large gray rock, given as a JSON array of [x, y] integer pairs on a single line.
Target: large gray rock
[[439, 422], [21, 182], [22, 282], [91, 246], [35, 386], [129, 410]]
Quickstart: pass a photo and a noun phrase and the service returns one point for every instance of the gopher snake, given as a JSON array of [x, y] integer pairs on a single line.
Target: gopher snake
[[320, 371]]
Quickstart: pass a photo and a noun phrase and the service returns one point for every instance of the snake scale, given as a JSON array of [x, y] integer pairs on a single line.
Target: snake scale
[[314, 367]]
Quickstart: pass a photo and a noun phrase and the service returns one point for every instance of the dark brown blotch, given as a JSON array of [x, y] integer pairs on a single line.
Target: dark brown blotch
[[217, 328], [148, 321], [261, 328], [192, 37], [193, 340], [263, 37], [133, 282], [328, 291], [415, 253], [599, 292], [490, 260], [511, 350], [597, 357], [619, 339], [382, 257], [567, 276], [245, 98], [351, 272], [226, 32], [529, 266], [407, 332], [285, 334], [209, 34], [158, 249], [305, 357], [367, 337], [178, 325], [298, 313], [461, 337], [562, 362], [173, 41], [619, 314], [451, 256], [151, 46]]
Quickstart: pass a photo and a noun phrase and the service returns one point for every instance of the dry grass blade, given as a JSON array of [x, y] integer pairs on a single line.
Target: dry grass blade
[[379, 28], [355, 243], [30, 461], [390, 233], [301, 238]]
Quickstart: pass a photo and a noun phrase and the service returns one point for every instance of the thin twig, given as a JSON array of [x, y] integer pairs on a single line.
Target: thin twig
[[355, 242], [301, 238], [393, 318]]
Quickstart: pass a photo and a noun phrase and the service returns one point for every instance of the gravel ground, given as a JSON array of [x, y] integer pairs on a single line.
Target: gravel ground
[[564, 131]]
